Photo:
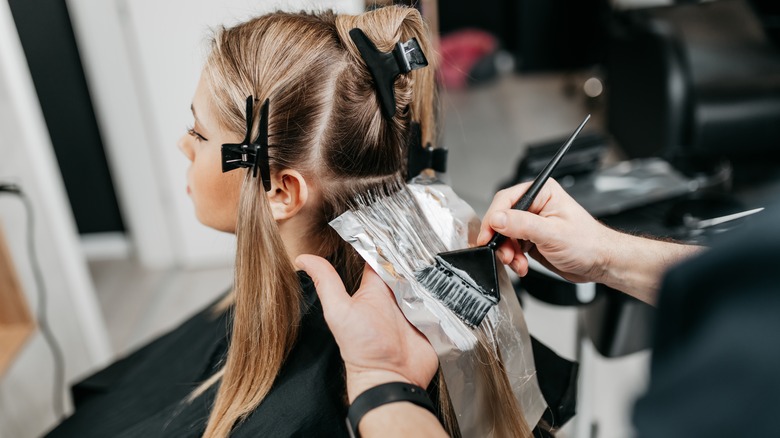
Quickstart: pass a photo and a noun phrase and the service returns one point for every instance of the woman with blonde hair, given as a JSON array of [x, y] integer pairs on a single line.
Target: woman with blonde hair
[[289, 125]]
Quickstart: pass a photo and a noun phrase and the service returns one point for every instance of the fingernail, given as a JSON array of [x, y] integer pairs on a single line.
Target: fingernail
[[299, 264], [501, 254], [482, 236], [498, 220]]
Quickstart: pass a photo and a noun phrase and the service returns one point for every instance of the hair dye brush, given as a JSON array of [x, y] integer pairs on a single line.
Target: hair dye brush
[[466, 280]]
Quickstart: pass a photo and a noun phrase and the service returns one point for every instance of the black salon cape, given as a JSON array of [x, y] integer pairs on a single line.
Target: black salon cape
[[143, 395], [715, 370]]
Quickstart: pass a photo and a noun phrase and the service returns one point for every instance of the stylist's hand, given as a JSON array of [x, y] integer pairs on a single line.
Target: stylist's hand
[[556, 231], [566, 239], [377, 343]]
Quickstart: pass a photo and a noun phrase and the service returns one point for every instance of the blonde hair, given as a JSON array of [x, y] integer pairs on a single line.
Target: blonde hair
[[325, 122]]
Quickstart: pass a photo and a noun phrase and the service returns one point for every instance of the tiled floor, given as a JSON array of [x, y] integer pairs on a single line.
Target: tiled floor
[[486, 130]]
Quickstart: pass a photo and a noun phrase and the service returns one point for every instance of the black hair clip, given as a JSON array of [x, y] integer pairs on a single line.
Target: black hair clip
[[385, 67], [249, 153], [419, 158]]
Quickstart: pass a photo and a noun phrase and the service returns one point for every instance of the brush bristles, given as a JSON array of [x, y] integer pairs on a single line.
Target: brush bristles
[[391, 217], [459, 294]]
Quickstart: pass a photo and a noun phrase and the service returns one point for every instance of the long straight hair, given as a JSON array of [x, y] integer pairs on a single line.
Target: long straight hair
[[325, 122]]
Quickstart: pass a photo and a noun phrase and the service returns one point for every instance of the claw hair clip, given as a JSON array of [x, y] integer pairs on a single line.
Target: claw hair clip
[[386, 67], [419, 158], [248, 153]]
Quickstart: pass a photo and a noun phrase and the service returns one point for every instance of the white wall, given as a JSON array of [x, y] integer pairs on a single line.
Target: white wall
[[27, 159], [143, 59]]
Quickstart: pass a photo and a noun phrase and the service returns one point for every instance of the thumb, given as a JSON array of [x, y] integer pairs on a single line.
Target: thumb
[[333, 296], [373, 282], [521, 225]]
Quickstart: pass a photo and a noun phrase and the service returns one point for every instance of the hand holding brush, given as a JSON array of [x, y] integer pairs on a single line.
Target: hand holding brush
[[556, 231], [466, 280], [561, 235]]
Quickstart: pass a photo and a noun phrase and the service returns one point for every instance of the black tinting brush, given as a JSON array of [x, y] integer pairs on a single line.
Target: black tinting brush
[[466, 280]]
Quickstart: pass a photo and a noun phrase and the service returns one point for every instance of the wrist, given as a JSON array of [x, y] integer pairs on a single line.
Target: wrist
[[361, 380], [610, 246], [382, 395], [417, 421], [626, 264], [637, 264]]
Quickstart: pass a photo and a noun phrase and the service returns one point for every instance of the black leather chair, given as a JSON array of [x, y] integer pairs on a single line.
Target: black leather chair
[[693, 81]]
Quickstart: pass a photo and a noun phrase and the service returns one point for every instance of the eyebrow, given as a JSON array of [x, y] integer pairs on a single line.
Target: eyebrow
[[194, 114]]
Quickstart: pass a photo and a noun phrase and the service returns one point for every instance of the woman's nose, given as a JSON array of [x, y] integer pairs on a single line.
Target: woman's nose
[[184, 146]]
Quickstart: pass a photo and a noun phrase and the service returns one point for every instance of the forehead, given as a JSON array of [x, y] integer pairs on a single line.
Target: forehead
[[201, 101]]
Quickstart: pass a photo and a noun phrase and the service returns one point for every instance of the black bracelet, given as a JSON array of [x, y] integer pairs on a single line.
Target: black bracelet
[[384, 394]]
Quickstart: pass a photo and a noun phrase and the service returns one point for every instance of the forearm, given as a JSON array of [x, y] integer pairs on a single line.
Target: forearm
[[636, 265], [401, 419]]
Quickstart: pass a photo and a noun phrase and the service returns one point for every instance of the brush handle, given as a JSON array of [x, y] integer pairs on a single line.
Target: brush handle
[[525, 201]]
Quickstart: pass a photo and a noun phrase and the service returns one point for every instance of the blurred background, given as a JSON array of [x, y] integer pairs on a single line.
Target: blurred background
[[685, 98]]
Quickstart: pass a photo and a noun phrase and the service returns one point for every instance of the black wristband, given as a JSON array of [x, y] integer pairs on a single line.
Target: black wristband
[[384, 394]]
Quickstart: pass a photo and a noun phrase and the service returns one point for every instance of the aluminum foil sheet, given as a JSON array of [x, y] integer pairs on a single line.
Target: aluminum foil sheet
[[399, 235]]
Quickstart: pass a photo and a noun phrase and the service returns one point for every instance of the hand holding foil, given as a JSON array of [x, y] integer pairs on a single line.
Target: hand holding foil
[[397, 235], [377, 343]]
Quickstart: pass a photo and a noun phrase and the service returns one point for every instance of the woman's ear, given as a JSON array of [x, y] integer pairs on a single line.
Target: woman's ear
[[288, 194]]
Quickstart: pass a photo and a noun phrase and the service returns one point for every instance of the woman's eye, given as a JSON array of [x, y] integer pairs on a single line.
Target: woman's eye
[[191, 131]]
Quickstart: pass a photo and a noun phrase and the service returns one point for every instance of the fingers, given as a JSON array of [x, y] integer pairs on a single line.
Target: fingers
[[505, 199], [520, 225], [506, 252], [511, 253], [519, 264], [333, 296]]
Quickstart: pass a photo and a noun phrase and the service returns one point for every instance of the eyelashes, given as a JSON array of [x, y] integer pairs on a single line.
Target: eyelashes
[[191, 131]]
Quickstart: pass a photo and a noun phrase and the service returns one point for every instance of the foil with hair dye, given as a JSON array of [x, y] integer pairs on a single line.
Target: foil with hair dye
[[398, 233]]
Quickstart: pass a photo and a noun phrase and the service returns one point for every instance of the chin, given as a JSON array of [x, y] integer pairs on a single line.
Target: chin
[[205, 219], [216, 224]]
